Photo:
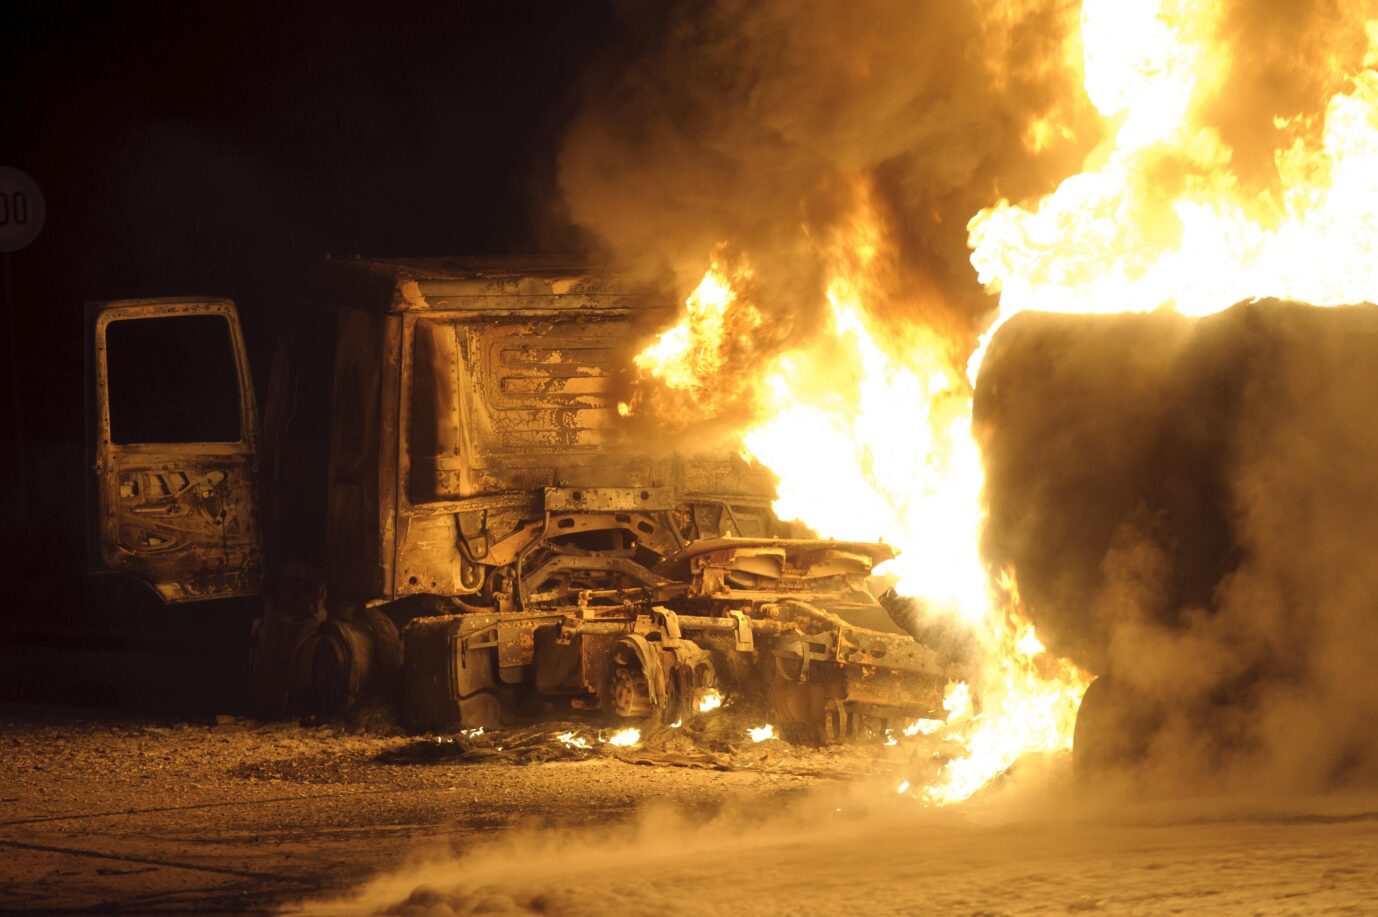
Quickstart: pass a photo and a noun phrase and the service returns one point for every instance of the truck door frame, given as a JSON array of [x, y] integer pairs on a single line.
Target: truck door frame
[[105, 457]]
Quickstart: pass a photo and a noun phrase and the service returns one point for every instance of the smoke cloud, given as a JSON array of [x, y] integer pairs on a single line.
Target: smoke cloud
[[1189, 504], [1287, 59], [751, 126], [824, 851]]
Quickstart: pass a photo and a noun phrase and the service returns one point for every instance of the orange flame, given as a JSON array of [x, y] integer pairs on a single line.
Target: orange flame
[[1118, 238], [868, 427], [692, 353], [869, 435]]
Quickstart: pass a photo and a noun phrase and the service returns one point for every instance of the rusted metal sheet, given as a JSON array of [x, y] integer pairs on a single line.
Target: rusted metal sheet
[[608, 499]]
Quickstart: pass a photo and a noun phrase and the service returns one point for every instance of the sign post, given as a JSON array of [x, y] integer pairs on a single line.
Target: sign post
[[22, 211]]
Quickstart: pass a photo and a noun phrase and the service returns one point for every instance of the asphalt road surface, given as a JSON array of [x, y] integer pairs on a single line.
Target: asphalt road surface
[[123, 815]]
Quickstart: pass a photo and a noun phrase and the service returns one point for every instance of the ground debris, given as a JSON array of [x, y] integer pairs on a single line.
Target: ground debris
[[84, 833], [719, 741], [525, 745]]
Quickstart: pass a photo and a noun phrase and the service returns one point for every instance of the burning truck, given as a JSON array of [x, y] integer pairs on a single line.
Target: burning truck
[[438, 510]]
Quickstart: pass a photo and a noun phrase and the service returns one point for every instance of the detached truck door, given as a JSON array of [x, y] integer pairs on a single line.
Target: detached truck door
[[175, 441]]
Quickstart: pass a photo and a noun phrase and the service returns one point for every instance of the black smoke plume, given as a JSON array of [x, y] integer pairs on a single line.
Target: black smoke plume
[[1192, 507], [753, 124]]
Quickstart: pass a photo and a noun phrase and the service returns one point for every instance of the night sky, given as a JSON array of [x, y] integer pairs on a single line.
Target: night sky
[[188, 148]]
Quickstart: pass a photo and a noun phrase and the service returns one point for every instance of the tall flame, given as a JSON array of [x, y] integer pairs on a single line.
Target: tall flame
[[689, 355], [868, 427], [868, 430], [1165, 221]]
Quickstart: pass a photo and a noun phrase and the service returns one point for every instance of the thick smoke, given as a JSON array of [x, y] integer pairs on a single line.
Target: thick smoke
[[1191, 508], [1287, 59], [754, 124], [824, 851]]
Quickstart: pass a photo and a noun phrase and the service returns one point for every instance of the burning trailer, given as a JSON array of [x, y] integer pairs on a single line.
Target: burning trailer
[[439, 511]]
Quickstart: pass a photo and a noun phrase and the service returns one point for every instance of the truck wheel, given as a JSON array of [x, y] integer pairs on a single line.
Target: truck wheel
[[1112, 731], [293, 608], [338, 664], [341, 667], [387, 656], [629, 693]]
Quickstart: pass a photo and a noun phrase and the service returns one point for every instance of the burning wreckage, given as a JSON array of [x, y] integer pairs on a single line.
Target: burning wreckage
[[437, 513], [760, 616]]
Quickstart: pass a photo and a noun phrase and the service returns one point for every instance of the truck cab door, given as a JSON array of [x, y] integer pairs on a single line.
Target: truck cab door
[[174, 436]]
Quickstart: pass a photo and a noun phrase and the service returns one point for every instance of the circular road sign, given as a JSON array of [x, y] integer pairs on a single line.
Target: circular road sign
[[21, 210]]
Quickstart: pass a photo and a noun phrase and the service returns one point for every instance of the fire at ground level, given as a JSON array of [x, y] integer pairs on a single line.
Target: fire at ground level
[[120, 814]]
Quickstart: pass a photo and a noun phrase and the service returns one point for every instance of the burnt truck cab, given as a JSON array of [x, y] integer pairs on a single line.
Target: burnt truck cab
[[453, 515]]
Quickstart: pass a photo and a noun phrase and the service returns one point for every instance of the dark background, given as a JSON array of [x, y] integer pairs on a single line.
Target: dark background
[[191, 148], [221, 149]]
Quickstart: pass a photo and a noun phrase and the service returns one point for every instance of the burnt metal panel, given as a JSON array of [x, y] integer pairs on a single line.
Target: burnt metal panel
[[388, 440], [354, 529], [540, 387], [428, 558], [502, 394], [480, 283], [607, 499], [180, 516]]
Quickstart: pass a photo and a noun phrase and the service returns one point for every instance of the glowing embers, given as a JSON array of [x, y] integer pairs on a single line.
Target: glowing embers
[[624, 738], [621, 738], [761, 733], [710, 701]]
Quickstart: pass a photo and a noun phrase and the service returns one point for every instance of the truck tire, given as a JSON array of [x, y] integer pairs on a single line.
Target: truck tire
[[1112, 731], [293, 607]]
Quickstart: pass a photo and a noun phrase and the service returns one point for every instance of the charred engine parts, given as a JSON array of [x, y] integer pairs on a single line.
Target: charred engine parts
[[785, 622], [659, 656]]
